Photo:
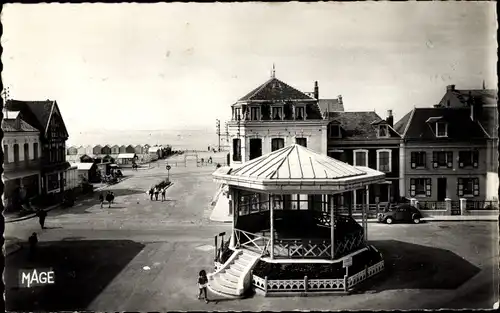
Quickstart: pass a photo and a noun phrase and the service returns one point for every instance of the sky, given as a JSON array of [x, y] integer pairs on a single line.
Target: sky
[[174, 66]]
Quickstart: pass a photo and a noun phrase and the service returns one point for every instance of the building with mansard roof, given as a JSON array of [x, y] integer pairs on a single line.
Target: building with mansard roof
[[272, 116]]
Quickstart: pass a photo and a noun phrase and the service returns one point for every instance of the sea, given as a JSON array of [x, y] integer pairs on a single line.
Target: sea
[[179, 139]]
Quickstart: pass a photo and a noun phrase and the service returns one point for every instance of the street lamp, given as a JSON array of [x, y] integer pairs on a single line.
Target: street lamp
[[218, 130]]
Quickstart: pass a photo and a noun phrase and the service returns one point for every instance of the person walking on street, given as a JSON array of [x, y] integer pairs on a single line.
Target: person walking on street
[[33, 241], [41, 217], [202, 285], [108, 199], [157, 192], [101, 199], [163, 193], [151, 193], [112, 197]]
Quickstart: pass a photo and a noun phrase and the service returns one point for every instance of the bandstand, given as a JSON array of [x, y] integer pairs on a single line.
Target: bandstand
[[283, 211]]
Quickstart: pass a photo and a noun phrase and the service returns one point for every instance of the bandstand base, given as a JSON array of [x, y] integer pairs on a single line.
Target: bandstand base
[[285, 277]]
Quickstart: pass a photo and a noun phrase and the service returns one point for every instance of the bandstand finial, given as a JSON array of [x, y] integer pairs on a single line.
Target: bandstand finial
[[273, 72]]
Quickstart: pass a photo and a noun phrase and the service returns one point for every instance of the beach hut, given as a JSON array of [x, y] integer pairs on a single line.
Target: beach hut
[[96, 150], [87, 172], [81, 151], [138, 149], [126, 158], [72, 150], [106, 150], [86, 159], [123, 149], [71, 177], [129, 149], [154, 153], [115, 149]]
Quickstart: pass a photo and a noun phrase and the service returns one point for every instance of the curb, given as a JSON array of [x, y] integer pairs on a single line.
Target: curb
[[27, 217], [493, 218]]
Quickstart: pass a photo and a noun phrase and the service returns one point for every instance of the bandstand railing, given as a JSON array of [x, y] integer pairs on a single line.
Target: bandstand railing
[[252, 241], [302, 248]]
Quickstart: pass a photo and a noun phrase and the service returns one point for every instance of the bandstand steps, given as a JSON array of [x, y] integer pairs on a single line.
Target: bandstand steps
[[229, 281]]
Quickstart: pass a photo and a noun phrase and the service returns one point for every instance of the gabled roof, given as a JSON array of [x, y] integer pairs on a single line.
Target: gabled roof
[[330, 105], [400, 126], [36, 113], [359, 125], [484, 96], [83, 166], [275, 90], [460, 125], [126, 156], [489, 120], [296, 165]]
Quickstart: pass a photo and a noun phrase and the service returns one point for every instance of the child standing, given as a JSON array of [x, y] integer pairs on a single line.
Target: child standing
[[202, 285]]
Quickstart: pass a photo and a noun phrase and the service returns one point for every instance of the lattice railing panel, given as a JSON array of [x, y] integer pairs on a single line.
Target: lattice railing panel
[[325, 284]]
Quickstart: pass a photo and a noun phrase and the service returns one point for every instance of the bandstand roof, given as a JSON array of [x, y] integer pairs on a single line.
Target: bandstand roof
[[296, 169]]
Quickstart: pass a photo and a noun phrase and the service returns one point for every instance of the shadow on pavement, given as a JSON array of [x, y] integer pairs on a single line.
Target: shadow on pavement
[[412, 266], [82, 270]]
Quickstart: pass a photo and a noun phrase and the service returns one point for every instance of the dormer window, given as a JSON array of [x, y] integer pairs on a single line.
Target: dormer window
[[441, 129], [237, 113], [383, 131], [334, 131], [300, 113], [277, 113], [255, 113]]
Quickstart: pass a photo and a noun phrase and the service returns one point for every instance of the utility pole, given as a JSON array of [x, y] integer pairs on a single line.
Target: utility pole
[[218, 130], [227, 134]]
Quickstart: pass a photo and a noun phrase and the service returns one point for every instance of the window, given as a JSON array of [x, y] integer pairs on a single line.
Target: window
[[5, 153], [468, 187], [301, 141], [277, 143], [442, 159], [334, 131], [35, 150], [383, 131], [384, 160], [26, 149], [468, 158], [237, 150], [418, 159], [16, 153], [360, 157], [337, 155], [441, 129], [254, 113], [277, 113], [300, 113], [237, 113], [420, 187], [51, 155]]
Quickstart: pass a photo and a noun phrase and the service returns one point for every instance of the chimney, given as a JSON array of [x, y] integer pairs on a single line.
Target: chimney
[[340, 99], [316, 90], [390, 118], [450, 88]]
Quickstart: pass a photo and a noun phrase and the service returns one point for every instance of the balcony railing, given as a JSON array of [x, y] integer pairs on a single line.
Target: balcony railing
[[22, 165], [482, 205]]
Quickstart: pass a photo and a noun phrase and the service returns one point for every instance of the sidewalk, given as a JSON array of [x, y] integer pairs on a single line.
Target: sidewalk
[[14, 218], [449, 218]]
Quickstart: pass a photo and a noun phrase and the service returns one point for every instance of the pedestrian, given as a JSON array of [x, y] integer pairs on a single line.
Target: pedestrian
[[41, 217], [101, 199], [108, 199], [202, 285], [163, 192], [157, 192], [202, 161], [210, 160], [33, 241], [112, 197], [151, 193]]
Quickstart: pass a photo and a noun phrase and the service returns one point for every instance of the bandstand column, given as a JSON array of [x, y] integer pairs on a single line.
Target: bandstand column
[[332, 227], [271, 216], [367, 209], [232, 210]]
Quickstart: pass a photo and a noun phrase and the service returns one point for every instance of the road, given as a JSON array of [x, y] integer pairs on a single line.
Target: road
[[143, 255]]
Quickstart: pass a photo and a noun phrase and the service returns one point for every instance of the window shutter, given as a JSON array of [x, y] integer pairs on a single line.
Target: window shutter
[[434, 159], [475, 158], [413, 160], [449, 159], [460, 187], [412, 187], [428, 187], [476, 186], [424, 157]]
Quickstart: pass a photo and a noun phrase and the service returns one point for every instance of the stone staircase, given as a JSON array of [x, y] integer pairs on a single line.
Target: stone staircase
[[234, 277]]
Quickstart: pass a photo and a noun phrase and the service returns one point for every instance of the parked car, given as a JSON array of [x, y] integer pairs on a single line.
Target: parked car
[[401, 213]]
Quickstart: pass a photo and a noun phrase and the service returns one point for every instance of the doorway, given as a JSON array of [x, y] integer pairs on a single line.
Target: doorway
[[441, 189], [255, 148]]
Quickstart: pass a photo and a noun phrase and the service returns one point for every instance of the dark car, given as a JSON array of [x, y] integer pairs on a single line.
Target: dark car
[[401, 213]]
